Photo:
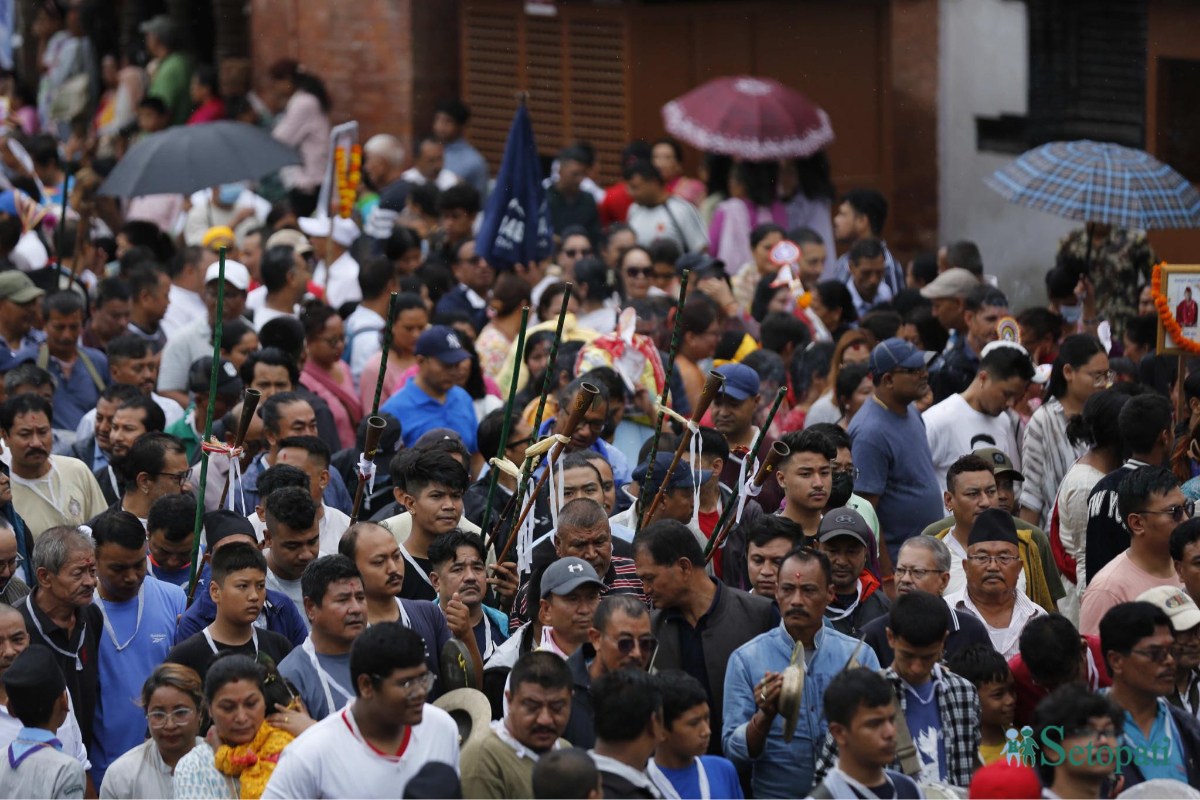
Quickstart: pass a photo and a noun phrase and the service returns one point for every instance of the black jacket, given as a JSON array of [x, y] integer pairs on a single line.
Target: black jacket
[[965, 630]]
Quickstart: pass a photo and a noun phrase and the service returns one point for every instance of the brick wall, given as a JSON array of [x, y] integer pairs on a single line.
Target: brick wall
[[914, 71], [385, 62]]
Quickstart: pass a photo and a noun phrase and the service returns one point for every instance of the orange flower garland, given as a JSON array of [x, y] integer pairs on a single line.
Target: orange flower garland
[[348, 176], [1170, 324]]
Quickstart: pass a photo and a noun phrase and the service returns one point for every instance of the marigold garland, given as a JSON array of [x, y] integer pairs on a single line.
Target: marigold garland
[[1167, 316], [252, 763], [347, 176]]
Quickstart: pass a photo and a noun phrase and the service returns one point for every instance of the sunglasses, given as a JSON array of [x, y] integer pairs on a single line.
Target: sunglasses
[[1178, 513], [639, 272], [646, 644], [578, 253]]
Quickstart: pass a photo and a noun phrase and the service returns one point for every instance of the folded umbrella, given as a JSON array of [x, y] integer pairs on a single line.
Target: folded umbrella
[[186, 158], [1099, 182]]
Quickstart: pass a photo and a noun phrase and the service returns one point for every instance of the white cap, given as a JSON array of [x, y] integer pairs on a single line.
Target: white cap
[[345, 231], [236, 274]]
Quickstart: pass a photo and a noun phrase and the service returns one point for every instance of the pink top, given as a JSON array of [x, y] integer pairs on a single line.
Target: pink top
[[209, 111], [304, 126], [392, 382], [340, 395]]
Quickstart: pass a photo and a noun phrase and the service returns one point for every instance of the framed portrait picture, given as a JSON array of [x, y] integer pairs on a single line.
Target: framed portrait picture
[[1181, 286]]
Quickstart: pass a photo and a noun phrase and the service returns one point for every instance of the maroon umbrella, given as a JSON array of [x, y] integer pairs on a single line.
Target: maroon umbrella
[[755, 119]]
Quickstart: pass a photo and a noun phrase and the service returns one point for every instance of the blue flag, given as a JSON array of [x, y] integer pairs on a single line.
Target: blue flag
[[516, 223]]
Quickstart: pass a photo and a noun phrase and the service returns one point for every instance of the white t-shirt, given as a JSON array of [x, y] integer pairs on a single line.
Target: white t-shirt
[[683, 224], [341, 286], [955, 429], [292, 590], [183, 307], [332, 759]]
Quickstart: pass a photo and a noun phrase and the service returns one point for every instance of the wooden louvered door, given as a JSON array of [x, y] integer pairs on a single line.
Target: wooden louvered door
[[572, 65]]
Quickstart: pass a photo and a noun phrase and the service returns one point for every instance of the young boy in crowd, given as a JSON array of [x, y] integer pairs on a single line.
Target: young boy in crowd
[[989, 672], [35, 765], [681, 755]]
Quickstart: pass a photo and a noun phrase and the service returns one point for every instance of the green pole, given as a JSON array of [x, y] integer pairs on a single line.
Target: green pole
[[387, 351], [494, 475]]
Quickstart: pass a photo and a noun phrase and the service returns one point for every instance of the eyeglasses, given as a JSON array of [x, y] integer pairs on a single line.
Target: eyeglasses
[[981, 560], [1158, 655], [334, 341], [181, 477], [918, 574], [416, 686], [180, 716], [520, 442], [1178, 512], [852, 471], [639, 272], [646, 644], [12, 564], [1103, 378], [1092, 732], [587, 251]]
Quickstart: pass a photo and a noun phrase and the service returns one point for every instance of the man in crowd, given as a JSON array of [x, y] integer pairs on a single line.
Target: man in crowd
[[993, 567], [499, 764], [862, 214], [947, 294], [656, 213], [189, 428], [868, 267], [896, 473], [1151, 505], [131, 362], [335, 605], [1145, 423], [459, 576], [845, 538], [334, 237], [376, 282], [434, 482], [979, 416], [733, 413], [285, 275], [698, 621], [432, 398], [140, 612], [958, 365], [450, 117], [771, 537], [80, 373], [475, 278], [940, 709], [184, 301], [1185, 624], [587, 435], [752, 735], [173, 76], [19, 312], [568, 203], [110, 314], [156, 466], [47, 490], [383, 170], [1185, 552], [150, 290], [346, 753], [12, 567], [311, 454], [60, 615], [95, 449], [570, 593], [1079, 721], [37, 697], [170, 537], [924, 566], [628, 711], [290, 539]]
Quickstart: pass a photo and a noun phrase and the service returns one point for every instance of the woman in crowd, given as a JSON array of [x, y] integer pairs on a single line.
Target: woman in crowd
[[1097, 428], [173, 700], [324, 373], [412, 317], [745, 281], [636, 267], [753, 201], [550, 303], [701, 332], [770, 297], [242, 747], [1080, 370], [304, 125], [714, 171], [853, 388], [595, 286], [509, 295], [808, 192], [831, 305], [238, 341], [667, 156], [485, 392], [854, 347]]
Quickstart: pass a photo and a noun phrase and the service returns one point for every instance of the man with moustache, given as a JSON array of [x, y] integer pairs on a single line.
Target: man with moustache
[[752, 734], [771, 537], [459, 576], [620, 638], [95, 449], [140, 612], [1185, 624], [843, 537], [1138, 648], [500, 763], [336, 607], [993, 564]]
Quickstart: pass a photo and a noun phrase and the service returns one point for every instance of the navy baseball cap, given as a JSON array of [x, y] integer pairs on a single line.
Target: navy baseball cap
[[441, 342], [740, 381], [681, 478], [897, 353]]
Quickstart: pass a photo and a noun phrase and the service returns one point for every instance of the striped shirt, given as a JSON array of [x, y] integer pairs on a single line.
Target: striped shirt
[[621, 578], [1004, 640]]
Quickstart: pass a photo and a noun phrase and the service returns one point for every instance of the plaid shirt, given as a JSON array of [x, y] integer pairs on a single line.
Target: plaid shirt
[[958, 708]]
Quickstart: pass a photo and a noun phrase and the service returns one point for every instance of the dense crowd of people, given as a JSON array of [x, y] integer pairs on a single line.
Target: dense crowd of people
[[970, 565]]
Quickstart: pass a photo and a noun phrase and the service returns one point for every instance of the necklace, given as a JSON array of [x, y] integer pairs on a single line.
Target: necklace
[[108, 626]]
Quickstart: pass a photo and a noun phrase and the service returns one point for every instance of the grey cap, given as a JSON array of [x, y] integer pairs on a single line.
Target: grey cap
[[954, 282], [160, 25], [568, 574], [844, 522]]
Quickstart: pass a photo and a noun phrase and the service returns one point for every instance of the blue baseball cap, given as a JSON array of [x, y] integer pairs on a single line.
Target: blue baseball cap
[[895, 353], [441, 342], [740, 381], [681, 478]]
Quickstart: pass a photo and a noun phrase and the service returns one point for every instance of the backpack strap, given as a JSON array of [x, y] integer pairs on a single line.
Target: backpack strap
[[906, 751], [91, 370]]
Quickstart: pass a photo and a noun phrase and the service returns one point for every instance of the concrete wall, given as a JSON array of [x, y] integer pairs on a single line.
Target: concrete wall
[[983, 69]]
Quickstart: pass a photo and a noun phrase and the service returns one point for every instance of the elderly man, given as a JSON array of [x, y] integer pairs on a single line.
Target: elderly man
[[12, 588], [383, 169], [620, 638], [1151, 505], [993, 565], [60, 614], [752, 735], [924, 566], [499, 764], [459, 577], [699, 622]]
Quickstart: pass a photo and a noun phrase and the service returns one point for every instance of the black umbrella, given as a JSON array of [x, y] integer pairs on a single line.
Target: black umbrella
[[184, 159]]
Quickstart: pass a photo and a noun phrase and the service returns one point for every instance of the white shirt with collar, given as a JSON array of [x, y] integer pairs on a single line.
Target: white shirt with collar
[[638, 778], [882, 295], [1004, 640]]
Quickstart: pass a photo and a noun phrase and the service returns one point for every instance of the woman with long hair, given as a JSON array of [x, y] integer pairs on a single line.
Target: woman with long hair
[[700, 323], [304, 125], [324, 373], [831, 305], [808, 192], [753, 201], [510, 294], [667, 155], [853, 348], [853, 388], [635, 267], [243, 747], [1096, 428], [763, 237], [595, 287], [412, 317], [238, 341], [714, 171], [174, 703], [1080, 370], [485, 392]]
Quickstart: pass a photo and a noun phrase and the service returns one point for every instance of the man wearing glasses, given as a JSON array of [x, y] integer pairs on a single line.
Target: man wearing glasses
[[1151, 504], [155, 466], [993, 564], [12, 588]]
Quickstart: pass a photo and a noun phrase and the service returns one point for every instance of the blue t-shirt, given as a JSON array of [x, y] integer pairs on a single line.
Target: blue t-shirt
[[297, 667], [177, 577], [721, 774], [1160, 763], [925, 726], [120, 720], [893, 458], [420, 413]]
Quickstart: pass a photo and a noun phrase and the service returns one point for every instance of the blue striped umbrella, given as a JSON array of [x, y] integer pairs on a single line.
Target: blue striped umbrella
[[1100, 182]]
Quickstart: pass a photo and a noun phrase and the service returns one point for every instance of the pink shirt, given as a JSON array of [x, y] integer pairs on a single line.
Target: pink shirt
[[1121, 581]]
